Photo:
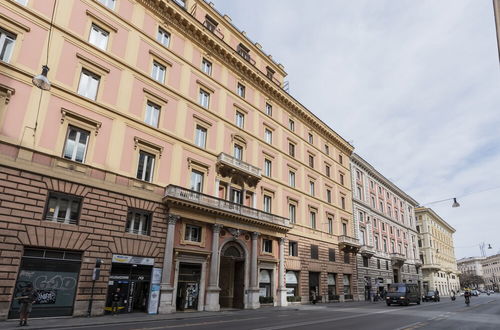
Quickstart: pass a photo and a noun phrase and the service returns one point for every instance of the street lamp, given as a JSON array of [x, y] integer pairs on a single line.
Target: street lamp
[[455, 203], [41, 81]]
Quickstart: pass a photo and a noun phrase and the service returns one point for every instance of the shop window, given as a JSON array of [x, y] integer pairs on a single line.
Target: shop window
[[292, 285], [192, 233], [332, 287], [293, 249], [267, 246], [76, 144], [347, 286], [265, 286], [138, 222], [63, 208]]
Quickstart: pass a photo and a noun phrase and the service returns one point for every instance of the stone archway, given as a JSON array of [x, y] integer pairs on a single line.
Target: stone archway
[[232, 276]]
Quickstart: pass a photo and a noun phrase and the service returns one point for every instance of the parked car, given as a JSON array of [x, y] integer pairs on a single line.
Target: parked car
[[403, 294], [491, 291], [475, 293], [431, 296]]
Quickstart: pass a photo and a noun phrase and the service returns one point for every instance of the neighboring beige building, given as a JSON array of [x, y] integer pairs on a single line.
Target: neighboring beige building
[[439, 266], [472, 266], [491, 271]]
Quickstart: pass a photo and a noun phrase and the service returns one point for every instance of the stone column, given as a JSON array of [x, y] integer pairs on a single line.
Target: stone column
[[253, 292], [281, 276], [167, 301], [212, 303]]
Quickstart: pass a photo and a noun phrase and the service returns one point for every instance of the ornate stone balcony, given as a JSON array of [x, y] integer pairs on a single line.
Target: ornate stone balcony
[[367, 251], [186, 198], [230, 166], [431, 267], [349, 244], [398, 259], [417, 262]]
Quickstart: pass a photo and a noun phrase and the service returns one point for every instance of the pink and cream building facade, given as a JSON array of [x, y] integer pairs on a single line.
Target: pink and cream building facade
[[168, 149], [386, 228]]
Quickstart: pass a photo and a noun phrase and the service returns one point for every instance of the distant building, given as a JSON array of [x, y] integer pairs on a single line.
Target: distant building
[[437, 253], [472, 266], [386, 228], [491, 271]]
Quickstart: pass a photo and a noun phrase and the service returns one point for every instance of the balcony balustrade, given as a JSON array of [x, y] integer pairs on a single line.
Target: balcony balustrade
[[224, 206], [431, 266], [229, 166], [367, 251], [349, 244]]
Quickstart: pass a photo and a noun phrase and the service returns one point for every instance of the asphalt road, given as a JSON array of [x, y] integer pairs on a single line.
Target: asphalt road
[[483, 313]]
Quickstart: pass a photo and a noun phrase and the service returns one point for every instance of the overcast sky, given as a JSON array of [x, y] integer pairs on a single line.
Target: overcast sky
[[413, 85]]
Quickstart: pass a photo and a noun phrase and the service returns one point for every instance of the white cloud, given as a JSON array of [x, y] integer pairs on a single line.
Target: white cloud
[[415, 85]]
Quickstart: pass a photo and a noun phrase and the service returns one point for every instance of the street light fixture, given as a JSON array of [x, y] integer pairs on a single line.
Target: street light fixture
[[41, 81], [455, 203]]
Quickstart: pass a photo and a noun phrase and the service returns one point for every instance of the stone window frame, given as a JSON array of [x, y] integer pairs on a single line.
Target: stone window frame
[[19, 30], [86, 64], [167, 31], [263, 241], [156, 57], [196, 165], [6, 94], [141, 144], [72, 118], [291, 201], [203, 227], [152, 97]]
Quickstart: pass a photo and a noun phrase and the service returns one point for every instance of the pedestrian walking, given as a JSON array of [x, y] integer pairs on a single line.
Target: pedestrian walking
[[27, 298], [116, 299], [313, 296]]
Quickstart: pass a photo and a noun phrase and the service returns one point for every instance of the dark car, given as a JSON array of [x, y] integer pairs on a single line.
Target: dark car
[[431, 296], [403, 294]]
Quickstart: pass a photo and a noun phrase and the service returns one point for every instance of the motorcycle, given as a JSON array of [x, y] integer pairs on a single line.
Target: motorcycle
[[467, 301]]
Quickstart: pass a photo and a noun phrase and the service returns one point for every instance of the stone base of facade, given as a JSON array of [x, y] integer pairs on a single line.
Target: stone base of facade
[[253, 299], [212, 301], [167, 303], [282, 301], [81, 308]]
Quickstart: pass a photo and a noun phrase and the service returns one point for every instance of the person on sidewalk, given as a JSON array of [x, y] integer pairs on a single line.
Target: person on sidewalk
[[313, 296], [27, 298], [116, 299]]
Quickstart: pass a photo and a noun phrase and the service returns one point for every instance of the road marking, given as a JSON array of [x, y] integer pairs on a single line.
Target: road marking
[[199, 324], [306, 323]]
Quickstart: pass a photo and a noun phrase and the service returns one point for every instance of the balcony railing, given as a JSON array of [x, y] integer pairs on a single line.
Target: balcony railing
[[398, 256], [214, 29], [224, 205], [239, 164], [431, 266], [347, 240]]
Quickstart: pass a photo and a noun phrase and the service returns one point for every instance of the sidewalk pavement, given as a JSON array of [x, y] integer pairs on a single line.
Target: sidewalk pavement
[[69, 322]]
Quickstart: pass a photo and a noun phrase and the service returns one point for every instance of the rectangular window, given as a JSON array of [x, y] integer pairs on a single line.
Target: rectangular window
[[381, 207], [311, 161], [267, 203], [311, 188], [145, 166], [158, 72], [386, 265], [89, 83], [341, 178], [63, 208], [204, 98], [328, 196], [341, 159], [206, 67], [314, 252], [240, 90], [385, 245], [365, 261], [200, 138], [267, 167], [267, 246], [22, 2], [362, 237], [293, 249], [376, 242], [291, 179], [7, 40], [152, 114], [312, 218], [236, 196], [360, 195], [269, 109], [292, 213], [378, 263], [76, 144], [327, 170], [192, 233], [238, 152], [347, 258], [268, 136], [344, 228], [310, 138], [291, 125], [291, 149], [197, 181], [330, 226], [331, 254], [98, 37], [327, 149], [163, 37], [138, 222], [342, 202], [108, 3], [239, 119]]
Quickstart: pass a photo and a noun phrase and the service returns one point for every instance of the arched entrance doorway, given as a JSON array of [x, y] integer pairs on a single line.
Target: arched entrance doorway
[[232, 276]]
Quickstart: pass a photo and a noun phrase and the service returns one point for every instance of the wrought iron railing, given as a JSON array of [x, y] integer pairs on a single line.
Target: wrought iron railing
[[235, 162], [224, 205]]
